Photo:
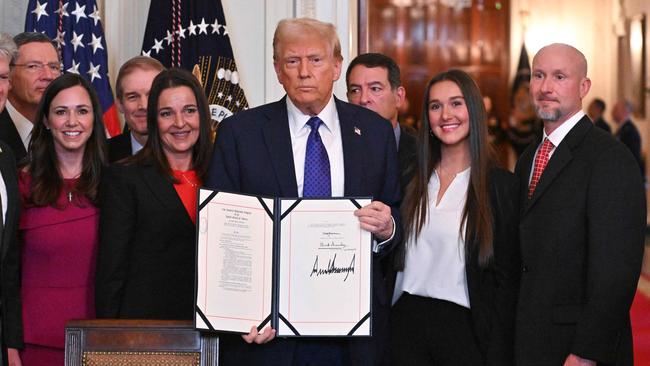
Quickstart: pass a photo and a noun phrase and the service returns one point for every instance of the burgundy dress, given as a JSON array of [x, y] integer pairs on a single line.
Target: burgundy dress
[[58, 271]]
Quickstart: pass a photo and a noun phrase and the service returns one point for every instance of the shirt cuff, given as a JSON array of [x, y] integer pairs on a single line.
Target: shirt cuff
[[376, 247]]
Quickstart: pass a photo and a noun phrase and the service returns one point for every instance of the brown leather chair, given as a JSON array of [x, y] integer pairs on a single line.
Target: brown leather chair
[[105, 342]]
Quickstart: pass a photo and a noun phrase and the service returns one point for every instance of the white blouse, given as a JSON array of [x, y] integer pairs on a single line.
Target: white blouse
[[435, 259]]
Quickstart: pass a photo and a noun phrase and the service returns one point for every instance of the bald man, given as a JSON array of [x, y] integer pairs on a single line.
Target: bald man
[[581, 230]]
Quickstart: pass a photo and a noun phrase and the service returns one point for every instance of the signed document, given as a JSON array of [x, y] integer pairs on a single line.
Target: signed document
[[325, 268], [301, 265]]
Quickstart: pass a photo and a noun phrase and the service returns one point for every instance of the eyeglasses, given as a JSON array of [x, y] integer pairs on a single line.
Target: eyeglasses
[[37, 67]]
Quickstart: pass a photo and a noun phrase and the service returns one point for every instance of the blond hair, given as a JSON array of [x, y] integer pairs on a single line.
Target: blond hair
[[288, 28]]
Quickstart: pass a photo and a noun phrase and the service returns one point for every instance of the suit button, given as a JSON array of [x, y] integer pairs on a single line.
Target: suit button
[[524, 269]]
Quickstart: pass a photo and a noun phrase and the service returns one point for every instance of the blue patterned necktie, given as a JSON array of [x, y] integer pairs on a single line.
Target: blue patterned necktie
[[317, 181]]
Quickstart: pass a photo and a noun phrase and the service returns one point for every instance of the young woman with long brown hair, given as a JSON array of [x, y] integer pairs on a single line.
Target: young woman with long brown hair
[[455, 294]]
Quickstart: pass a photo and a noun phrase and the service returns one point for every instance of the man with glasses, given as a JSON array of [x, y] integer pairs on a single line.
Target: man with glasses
[[36, 64]]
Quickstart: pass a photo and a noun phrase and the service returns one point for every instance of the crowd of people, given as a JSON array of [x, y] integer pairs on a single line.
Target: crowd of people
[[473, 264]]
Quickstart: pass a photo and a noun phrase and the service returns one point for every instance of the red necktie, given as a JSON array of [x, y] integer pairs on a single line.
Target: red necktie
[[540, 163]]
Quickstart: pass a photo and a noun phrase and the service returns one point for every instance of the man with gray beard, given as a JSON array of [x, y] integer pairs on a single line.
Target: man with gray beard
[[582, 227]]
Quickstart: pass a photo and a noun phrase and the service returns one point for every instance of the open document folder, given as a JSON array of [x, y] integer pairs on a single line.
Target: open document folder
[[302, 265]]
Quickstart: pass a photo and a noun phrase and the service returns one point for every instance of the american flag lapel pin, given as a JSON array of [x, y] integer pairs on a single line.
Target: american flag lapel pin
[[357, 130]]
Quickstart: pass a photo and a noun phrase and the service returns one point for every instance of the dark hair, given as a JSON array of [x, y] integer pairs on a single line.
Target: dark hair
[[371, 60], [153, 150], [477, 215], [43, 167], [32, 37], [135, 63], [600, 104]]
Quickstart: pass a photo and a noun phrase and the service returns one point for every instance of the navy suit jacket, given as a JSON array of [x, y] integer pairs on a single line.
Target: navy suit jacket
[[11, 319], [253, 155], [9, 134], [119, 147]]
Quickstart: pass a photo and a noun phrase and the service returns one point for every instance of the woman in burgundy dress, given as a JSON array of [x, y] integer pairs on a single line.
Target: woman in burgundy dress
[[59, 220]]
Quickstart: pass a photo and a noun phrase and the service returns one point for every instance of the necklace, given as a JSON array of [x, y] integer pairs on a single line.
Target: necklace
[[188, 181], [442, 172]]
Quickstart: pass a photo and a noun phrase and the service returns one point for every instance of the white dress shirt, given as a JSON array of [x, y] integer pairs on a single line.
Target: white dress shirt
[[23, 125], [330, 133], [5, 198], [557, 136], [135, 145], [435, 259]]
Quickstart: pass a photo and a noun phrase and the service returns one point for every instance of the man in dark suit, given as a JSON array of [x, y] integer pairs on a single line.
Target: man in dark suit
[[10, 327], [582, 227], [627, 132], [374, 82], [132, 89], [266, 150], [596, 111], [36, 64]]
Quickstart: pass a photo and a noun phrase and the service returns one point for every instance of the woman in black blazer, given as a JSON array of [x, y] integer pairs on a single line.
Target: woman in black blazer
[[146, 259], [456, 288]]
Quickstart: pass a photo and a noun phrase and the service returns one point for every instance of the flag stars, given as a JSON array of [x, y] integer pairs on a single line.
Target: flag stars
[[77, 40], [220, 95], [39, 10], [169, 38], [229, 98], [60, 38], [146, 53], [157, 45], [63, 10], [203, 26], [215, 26], [180, 31], [93, 71], [96, 43], [74, 68], [238, 104], [79, 12], [95, 15], [192, 28]]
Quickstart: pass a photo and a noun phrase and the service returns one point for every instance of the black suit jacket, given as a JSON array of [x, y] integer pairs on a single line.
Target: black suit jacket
[[600, 122], [146, 258], [253, 155], [9, 134], [629, 135], [406, 155], [12, 326], [119, 147], [582, 239]]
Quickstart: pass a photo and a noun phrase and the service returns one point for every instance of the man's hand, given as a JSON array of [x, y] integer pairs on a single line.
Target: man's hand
[[376, 218], [265, 336], [574, 360]]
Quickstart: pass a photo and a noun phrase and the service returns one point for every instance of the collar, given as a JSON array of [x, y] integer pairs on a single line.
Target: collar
[[23, 125], [135, 145], [560, 133], [298, 120]]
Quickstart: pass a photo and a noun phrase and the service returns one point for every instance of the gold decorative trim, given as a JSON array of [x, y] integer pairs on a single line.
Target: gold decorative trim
[[103, 358]]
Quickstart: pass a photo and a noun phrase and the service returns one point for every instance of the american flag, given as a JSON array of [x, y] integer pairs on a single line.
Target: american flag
[[77, 29], [193, 35]]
